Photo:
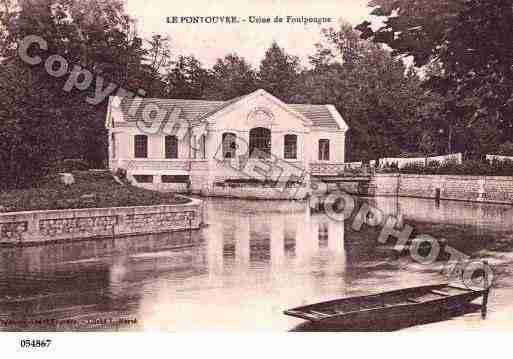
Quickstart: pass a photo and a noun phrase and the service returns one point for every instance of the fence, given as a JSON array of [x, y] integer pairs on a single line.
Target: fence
[[499, 158], [403, 162]]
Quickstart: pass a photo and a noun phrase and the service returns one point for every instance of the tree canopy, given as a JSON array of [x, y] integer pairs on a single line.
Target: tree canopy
[[231, 76], [471, 42], [377, 95], [279, 72], [41, 123]]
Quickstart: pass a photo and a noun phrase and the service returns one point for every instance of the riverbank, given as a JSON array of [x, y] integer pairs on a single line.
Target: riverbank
[[95, 206], [91, 189], [38, 227]]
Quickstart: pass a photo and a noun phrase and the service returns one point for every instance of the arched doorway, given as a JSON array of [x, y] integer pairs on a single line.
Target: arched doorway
[[260, 142]]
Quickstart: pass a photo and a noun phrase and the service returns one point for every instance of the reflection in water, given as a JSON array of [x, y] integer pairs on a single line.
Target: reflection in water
[[482, 215], [254, 260]]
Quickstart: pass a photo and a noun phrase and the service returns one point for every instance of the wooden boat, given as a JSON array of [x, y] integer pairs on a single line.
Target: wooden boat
[[394, 306]]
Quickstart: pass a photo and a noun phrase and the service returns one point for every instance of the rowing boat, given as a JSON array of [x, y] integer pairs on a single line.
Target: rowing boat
[[398, 305]]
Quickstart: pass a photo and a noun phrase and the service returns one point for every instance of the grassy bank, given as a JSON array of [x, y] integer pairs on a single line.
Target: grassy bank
[[90, 190]]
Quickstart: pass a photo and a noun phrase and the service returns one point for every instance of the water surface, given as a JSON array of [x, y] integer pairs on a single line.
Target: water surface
[[255, 259]]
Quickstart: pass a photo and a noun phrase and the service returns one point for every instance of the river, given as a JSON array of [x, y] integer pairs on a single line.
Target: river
[[253, 260]]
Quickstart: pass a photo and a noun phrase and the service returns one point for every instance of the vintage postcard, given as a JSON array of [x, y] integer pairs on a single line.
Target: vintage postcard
[[272, 166]]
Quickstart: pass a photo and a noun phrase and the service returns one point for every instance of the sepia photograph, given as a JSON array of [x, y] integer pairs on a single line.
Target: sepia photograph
[[265, 166]]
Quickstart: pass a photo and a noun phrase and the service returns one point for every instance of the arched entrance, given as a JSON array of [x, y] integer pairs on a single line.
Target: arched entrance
[[260, 142]]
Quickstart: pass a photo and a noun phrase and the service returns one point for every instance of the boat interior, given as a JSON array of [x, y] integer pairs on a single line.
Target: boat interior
[[389, 299]]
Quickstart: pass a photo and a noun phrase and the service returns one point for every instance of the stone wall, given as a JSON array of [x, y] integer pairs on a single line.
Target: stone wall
[[182, 188], [258, 192], [74, 224], [465, 188]]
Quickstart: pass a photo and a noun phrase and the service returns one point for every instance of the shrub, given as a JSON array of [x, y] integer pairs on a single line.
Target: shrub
[[469, 167], [506, 149], [414, 168], [502, 168], [412, 155], [69, 165], [433, 166], [389, 168]]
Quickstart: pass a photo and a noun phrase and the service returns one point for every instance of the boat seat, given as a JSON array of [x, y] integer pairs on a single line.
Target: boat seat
[[413, 301], [439, 293]]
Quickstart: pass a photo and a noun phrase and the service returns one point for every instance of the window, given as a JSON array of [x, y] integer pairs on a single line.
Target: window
[[229, 145], [324, 150], [203, 146], [141, 146], [113, 144], [323, 235], [260, 143], [171, 147], [175, 179], [290, 147], [143, 178]]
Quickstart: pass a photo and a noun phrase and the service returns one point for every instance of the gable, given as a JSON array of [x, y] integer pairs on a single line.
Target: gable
[[258, 109]]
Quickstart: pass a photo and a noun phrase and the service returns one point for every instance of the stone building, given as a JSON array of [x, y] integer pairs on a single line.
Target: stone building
[[197, 145]]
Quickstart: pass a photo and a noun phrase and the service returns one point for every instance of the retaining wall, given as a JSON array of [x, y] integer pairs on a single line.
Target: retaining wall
[[74, 224], [464, 188], [258, 192]]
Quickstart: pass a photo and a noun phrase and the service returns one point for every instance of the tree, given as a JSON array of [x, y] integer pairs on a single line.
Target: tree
[[186, 79], [30, 126], [471, 41], [279, 72], [39, 121], [231, 77], [376, 94]]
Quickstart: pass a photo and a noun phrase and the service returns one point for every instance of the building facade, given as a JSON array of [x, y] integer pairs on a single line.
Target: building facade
[[196, 145]]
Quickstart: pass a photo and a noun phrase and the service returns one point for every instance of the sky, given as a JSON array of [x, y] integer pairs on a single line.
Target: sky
[[207, 42]]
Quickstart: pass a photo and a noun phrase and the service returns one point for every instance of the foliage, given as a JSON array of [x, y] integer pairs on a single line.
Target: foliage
[[186, 79], [39, 122], [231, 77], [469, 167], [470, 42], [279, 72], [414, 155], [506, 149], [377, 95], [69, 165]]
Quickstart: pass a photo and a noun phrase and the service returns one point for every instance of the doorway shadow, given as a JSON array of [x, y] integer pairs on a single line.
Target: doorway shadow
[[388, 325]]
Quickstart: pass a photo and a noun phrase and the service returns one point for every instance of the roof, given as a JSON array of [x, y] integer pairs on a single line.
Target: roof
[[324, 116], [320, 115], [190, 109]]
